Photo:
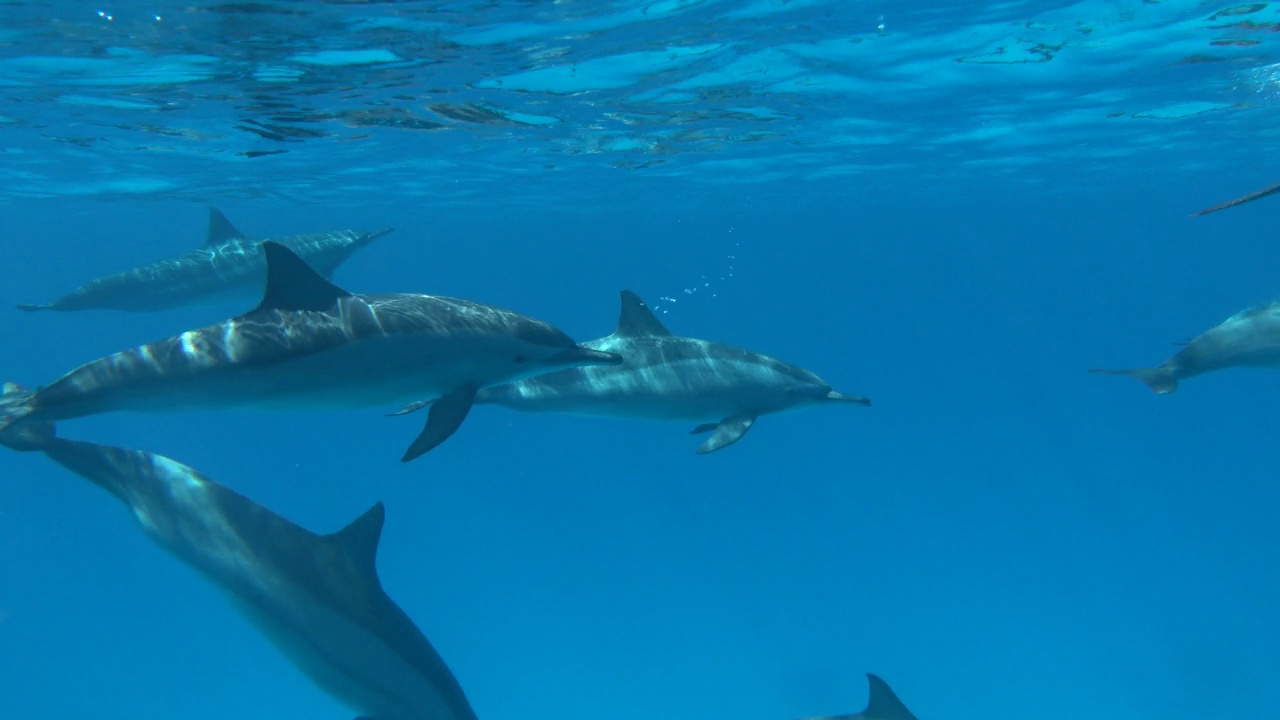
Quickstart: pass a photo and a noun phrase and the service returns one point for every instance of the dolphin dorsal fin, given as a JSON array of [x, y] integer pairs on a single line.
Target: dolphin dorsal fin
[[220, 229], [293, 285], [883, 703], [637, 319], [360, 538]]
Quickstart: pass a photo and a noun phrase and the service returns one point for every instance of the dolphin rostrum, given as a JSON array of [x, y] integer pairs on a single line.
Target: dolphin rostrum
[[882, 704], [311, 344], [317, 598], [666, 377], [228, 265], [1250, 338]]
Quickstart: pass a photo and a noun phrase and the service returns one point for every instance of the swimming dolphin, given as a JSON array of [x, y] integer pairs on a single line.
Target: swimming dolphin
[[317, 598], [882, 704], [1250, 338], [229, 265], [665, 377], [311, 344]]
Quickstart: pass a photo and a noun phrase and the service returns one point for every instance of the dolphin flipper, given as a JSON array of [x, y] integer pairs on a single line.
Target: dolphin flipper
[[729, 431], [412, 407], [704, 428], [443, 419]]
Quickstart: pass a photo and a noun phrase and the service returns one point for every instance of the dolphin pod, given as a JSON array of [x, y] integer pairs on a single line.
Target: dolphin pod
[[317, 598], [720, 388], [310, 344]]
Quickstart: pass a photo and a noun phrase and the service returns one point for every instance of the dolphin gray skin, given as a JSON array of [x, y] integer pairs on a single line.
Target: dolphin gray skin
[[1250, 338], [229, 265], [665, 377], [311, 344], [882, 704], [317, 598]]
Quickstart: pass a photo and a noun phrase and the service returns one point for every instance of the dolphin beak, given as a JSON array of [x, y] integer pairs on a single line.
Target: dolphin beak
[[577, 356], [833, 395]]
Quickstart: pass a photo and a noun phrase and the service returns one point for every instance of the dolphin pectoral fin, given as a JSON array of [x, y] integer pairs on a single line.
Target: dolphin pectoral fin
[[704, 428], [411, 408], [33, 308], [729, 431], [443, 419], [1161, 379]]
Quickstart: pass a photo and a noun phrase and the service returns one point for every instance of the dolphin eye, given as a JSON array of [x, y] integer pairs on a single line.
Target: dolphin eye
[[520, 359]]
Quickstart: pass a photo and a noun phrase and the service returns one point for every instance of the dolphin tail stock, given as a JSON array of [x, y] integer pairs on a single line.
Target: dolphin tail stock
[[16, 434], [1160, 379]]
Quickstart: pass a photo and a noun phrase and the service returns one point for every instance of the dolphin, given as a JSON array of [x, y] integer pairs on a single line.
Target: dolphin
[[317, 598], [666, 377], [228, 265], [1250, 338], [882, 704], [310, 344]]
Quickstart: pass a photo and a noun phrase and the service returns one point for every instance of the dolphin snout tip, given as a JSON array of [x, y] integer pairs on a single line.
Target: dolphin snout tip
[[856, 399]]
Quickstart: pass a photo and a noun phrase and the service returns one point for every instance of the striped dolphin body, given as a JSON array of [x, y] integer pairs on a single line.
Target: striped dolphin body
[[666, 377], [317, 598], [1250, 338], [229, 265], [313, 345]]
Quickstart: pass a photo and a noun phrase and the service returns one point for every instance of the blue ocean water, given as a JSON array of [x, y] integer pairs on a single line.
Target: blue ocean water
[[954, 209]]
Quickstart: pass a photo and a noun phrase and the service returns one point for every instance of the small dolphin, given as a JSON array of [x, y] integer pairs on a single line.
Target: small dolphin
[[229, 265], [665, 377], [882, 704], [1250, 338], [311, 344], [317, 598]]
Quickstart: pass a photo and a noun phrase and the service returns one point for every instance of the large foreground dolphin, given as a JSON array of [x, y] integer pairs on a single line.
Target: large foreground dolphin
[[665, 377], [882, 704], [316, 597], [1250, 338], [229, 265], [311, 344]]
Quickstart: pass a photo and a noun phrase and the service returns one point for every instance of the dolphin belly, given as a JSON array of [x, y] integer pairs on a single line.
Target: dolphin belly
[[370, 372], [347, 661], [685, 392]]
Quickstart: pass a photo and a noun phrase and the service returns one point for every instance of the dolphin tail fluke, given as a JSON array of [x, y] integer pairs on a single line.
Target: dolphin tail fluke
[[1161, 379], [16, 434], [443, 419], [33, 308]]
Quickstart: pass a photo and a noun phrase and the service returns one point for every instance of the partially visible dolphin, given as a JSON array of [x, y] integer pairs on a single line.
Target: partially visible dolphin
[[1250, 338], [311, 344], [666, 377], [317, 598], [882, 704], [228, 265]]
